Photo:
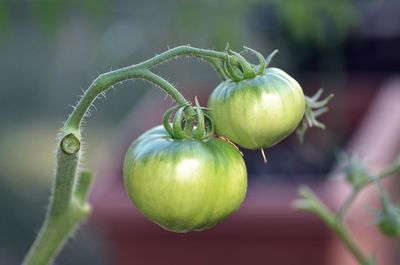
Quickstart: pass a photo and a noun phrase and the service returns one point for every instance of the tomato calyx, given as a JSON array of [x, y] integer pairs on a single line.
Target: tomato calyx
[[388, 219], [237, 68], [356, 172], [188, 124], [314, 108]]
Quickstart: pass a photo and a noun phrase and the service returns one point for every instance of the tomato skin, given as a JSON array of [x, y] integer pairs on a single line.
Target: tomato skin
[[390, 227], [389, 221], [258, 112], [184, 185]]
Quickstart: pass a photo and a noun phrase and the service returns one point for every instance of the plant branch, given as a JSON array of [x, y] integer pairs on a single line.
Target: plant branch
[[218, 68], [141, 70], [184, 50], [310, 202], [346, 204], [105, 81], [390, 170], [66, 211]]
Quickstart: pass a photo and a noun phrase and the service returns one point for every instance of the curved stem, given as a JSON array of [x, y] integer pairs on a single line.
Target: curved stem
[[105, 81], [390, 170], [217, 64], [346, 204], [180, 51]]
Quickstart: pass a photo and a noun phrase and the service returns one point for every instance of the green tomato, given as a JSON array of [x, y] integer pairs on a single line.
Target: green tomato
[[184, 185], [258, 112], [389, 221]]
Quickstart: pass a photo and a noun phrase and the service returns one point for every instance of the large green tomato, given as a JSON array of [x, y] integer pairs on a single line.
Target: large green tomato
[[186, 184], [258, 112]]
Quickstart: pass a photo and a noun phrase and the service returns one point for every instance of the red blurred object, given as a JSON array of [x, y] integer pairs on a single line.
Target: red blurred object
[[265, 230]]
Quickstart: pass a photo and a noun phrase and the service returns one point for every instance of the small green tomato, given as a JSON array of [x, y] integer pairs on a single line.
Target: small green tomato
[[258, 112], [389, 221]]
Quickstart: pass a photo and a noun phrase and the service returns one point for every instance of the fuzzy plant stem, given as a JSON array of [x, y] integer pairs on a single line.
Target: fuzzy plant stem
[[311, 203], [68, 206]]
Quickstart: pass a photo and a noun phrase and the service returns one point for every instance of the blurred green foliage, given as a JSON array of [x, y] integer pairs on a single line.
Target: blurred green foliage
[[215, 21], [318, 22], [49, 14]]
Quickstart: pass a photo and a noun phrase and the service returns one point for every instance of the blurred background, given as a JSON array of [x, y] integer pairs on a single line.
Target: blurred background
[[51, 50]]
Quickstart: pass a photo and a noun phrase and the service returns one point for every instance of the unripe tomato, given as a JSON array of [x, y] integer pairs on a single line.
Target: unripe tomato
[[258, 112], [186, 184], [389, 221]]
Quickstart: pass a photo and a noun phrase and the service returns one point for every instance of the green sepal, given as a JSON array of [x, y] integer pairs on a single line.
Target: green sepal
[[209, 125], [269, 57], [313, 110], [166, 119], [230, 71], [248, 71], [178, 131], [199, 132], [261, 60], [355, 171]]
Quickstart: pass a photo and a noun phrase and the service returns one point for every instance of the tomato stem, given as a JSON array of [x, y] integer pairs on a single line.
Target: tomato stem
[[217, 64], [311, 203], [262, 64]]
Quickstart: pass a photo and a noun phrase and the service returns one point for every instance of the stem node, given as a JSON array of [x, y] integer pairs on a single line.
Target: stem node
[[70, 144]]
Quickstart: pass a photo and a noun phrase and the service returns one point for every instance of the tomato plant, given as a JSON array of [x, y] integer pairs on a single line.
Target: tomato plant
[[180, 175], [184, 184], [258, 112]]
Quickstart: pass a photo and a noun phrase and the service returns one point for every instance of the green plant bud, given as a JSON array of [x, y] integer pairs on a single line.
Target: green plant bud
[[356, 173], [389, 221]]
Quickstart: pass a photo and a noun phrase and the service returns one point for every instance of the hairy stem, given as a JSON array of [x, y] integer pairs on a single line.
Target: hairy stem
[[390, 170], [107, 80], [66, 210], [218, 67], [310, 202]]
